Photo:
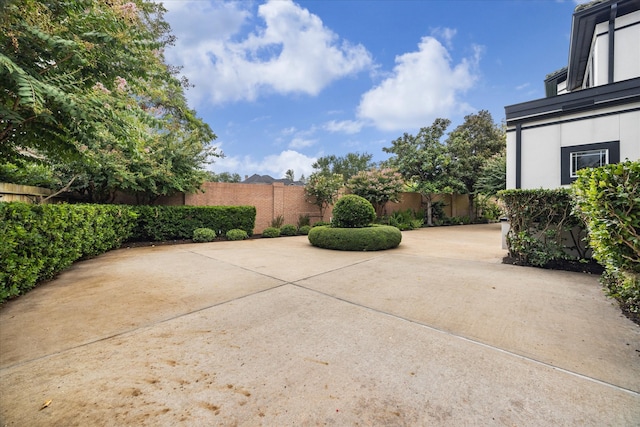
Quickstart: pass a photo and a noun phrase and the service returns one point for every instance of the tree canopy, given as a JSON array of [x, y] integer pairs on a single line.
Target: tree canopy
[[424, 161], [84, 87], [347, 165]]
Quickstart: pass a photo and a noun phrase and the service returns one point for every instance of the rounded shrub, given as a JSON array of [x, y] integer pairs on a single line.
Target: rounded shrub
[[353, 211], [201, 235], [304, 230], [288, 230], [237, 234], [373, 238], [271, 232]]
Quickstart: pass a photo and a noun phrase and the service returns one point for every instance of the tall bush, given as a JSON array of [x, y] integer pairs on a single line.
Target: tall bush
[[541, 221], [608, 199]]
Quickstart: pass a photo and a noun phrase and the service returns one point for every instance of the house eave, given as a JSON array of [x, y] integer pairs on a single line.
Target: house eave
[[598, 97]]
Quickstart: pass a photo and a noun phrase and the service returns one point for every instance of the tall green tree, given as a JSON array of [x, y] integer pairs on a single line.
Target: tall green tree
[[424, 161], [84, 87], [347, 165], [471, 145]]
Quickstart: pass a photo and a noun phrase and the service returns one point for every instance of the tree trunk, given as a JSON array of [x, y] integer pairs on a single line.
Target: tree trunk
[[429, 211], [472, 215]]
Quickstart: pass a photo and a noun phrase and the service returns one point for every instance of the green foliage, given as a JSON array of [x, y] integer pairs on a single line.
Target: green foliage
[[237, 234], [157, 223], [303, 220], [322, 190], [373, 238], [491, 211], [84, 88], [223, 177], [471, 145], [608, 199], [346, 166], [203, 235], [304, 230], [540, 220], [277, 222], [320, 224], [404, 220], [378, 186], [492, 176], [424, 161], [271, 232], [38, 241], [353, 211], [288, 230], [28, 173]]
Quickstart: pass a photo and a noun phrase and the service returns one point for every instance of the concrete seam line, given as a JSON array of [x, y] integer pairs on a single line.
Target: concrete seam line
[[139, 328], [480, 343]]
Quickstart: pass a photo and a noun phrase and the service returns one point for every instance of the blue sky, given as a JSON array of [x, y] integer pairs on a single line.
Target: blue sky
[[283, 82]]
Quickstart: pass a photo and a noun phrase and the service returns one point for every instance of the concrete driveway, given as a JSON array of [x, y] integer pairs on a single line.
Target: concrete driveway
[[276, 332]]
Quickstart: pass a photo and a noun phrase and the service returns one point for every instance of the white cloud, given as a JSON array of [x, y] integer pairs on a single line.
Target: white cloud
[[522, 86], [424, 85], [349, 127], [275, 165], [301, 142], [293, 52]]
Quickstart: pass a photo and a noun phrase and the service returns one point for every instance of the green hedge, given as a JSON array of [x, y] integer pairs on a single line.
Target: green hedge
[[608, 198], [373, 238], [158, 223], [544, 229], [38, 241]]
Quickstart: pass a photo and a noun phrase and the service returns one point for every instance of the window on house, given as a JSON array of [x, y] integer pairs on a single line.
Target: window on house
[[588, 159], [579, 157]]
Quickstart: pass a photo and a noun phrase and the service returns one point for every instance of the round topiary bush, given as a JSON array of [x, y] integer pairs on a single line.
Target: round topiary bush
[[373, 238], [271, 232], [353, 211], [237, 234], [288, 230], [201, 235], [304, 230]]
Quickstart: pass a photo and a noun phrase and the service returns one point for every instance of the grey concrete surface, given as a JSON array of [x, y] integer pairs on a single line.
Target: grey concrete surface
[[276, 332]]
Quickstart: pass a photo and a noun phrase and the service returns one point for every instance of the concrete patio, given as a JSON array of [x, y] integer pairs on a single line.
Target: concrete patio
[[276, 332]]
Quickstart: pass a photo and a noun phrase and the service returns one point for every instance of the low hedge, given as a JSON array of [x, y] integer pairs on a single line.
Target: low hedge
[[38, 241], [158, 223], [372, 238]]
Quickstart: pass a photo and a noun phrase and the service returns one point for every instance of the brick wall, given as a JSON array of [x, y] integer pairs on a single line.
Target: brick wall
[[273, 200]]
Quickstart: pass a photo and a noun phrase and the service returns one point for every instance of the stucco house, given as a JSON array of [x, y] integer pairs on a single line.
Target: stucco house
[[591, 113]]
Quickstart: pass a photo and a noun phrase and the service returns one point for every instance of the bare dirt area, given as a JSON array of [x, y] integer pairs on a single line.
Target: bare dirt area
[[277, 332]]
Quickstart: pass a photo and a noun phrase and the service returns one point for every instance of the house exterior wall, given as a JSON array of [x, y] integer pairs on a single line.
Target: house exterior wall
[[542, 140], [627, 47]]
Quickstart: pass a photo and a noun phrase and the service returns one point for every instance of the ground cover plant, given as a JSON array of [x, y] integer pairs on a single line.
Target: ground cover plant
[[203, 235], [237, 234], [271, 232]]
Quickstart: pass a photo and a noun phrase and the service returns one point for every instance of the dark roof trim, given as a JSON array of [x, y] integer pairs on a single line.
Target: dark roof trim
[[594, 98], [583, 26]]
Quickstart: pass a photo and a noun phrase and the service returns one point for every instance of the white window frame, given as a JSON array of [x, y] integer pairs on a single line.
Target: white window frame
[[603, 153]]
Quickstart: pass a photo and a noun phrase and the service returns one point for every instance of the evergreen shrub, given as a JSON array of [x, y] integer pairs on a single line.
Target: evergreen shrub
[[237, 234], [288, 230], [608, 199], [372, 238], [203, 235], [271, 232], [304, 230], [352, 211]]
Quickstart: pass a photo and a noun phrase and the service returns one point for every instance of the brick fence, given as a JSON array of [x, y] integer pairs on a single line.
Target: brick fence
[[288, 201]]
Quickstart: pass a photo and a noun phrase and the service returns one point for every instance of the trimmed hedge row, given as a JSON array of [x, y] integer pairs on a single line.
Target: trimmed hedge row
[[157, 223], [38, 241], [372, 238]]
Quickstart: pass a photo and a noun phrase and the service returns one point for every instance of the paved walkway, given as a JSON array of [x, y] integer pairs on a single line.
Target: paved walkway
[[277, 332]]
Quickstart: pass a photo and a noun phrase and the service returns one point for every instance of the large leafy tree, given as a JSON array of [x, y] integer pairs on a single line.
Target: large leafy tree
[[84, 87], [423, 160], [471, 145], [347, 165]]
